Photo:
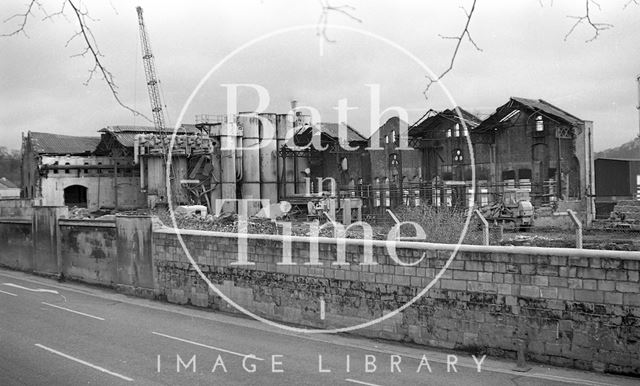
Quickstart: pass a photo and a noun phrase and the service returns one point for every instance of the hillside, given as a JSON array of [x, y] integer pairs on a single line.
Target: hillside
[[629, 150], [10, 164]]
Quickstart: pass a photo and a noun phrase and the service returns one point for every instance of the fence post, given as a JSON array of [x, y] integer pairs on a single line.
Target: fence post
[[576, 221], [578, 224], [485, 227]]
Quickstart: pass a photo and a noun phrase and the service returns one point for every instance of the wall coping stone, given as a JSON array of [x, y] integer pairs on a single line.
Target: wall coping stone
[[518, 250], [15, 220], [87, 223]]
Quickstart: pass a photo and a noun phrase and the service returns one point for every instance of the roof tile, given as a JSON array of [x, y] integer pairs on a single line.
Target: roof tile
[[48, 143]]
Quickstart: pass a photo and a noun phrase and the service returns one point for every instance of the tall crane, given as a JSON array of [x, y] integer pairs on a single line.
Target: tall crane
[[150, 73]]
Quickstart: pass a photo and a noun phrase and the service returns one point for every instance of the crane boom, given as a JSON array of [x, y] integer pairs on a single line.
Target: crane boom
[[150, 73]]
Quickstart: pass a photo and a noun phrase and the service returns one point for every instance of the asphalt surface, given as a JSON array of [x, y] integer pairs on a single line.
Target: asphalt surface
[[70, 334]]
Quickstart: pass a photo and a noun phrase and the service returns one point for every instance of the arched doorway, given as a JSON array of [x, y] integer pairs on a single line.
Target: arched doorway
[[75, 195]]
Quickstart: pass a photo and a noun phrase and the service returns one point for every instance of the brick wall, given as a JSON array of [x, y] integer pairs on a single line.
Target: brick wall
[[572, 308]]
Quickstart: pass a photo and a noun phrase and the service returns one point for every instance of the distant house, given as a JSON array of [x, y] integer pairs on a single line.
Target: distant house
[[8, 189]]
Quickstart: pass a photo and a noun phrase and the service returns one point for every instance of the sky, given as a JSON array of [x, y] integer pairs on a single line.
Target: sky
[[274, 44]]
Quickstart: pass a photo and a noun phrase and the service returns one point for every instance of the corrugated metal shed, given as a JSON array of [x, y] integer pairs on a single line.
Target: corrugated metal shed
[[48, 143]]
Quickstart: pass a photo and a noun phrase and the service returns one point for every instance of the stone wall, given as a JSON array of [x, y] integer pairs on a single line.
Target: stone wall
[[571, 307], [16, 208], [88, 250], [16, 244], [575, 308]]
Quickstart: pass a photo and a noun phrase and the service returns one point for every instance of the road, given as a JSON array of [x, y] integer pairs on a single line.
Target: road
[[67, 334]]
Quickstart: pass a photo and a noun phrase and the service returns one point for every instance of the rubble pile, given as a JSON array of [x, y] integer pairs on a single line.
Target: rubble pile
[[537, 241], [222, 223], [627, 211], [256, 225], [77, 213]]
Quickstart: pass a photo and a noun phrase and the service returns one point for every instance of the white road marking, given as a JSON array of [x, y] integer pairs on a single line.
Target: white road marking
[[70, 310], [84, 363], [8, 293], [32, 289], [207, 346], [360, 382]]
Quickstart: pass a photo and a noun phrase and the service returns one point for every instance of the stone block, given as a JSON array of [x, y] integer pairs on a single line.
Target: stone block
[[606, 285], [401, 280], [527, 269], [549, 293], [578, 261], [542, 281], [613, 298], [530, 291], [565, 293], [558, 282], [485, 276], [574, 283], [631, 299], [589, 296], [626, 286], [465, 275], [504, 289], [384, 278], [591, 273], [473, 266], [459, 285]]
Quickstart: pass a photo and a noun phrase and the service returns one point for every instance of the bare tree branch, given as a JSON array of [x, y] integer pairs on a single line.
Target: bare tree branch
[[85, 34], [327, 9], [597, 27], [25, 19], [458, 39]]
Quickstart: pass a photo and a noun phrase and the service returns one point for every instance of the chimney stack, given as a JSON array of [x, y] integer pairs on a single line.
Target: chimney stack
[[294, 104]]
